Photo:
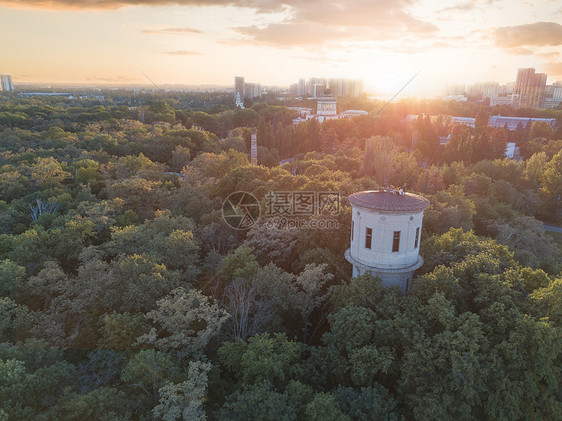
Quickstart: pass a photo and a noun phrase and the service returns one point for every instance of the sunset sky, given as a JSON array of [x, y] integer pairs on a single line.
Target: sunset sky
[[278, 41]]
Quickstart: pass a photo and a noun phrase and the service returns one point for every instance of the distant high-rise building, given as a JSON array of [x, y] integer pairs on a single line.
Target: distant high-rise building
[[249, 89], [311, 85], [252, 90], [452, 90], [6, 83], [239, 86], [336, 86], [351, 87], [339, 87], [503, 100], [318, 90], [530, 87], [483, 90], [507, 89], [357, 88], [314, 87], [347, 87], [301, 90], [557, 91], [294, 89], [553, 95], [244, 89]]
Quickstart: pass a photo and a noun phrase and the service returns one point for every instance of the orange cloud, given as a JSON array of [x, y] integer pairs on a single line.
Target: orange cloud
[[115, 4], [311, 22], [182, 53], [172, 31], [551, 55], [468, 6], [554, 69], [520, 51], [116, 79], [534, 34], [316, 22], [288, 34]]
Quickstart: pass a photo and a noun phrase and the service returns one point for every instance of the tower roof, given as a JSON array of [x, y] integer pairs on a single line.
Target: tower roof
[[387, 201]]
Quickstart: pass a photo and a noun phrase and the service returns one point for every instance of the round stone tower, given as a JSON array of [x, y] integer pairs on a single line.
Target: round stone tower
[[385, 235]]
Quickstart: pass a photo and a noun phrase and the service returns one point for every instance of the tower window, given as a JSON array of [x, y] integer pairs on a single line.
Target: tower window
[[368, 237], [352, 229], [396, 241], [417, 238]]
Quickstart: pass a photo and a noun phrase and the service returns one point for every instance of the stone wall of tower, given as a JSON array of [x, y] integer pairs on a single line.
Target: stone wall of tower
[[402, 280], [383, 226]]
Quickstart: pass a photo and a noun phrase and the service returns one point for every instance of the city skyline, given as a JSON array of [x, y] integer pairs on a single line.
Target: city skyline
[[277, 43]]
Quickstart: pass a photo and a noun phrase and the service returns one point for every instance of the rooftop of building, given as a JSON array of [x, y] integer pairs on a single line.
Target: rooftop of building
[[494, 120], [354, 112], [504, 117], [389, 200]]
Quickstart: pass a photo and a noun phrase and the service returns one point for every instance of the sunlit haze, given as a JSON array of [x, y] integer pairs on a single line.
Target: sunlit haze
[[272, 42]]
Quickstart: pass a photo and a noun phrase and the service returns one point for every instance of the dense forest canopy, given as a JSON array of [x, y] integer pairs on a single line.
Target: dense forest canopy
[[124, 295]]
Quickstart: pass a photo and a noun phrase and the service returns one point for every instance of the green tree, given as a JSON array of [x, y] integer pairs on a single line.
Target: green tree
[[147, 372], [180, 158], [168, 240], [120, 331], [549, 300], [457, 244], [449, 209], [258, 402], [541, 129], [189, 321], [499, 143], [368, 403], [103, 404], [459, 147], [482, 118], [137, 282], [380, 155], [184, 401], [551, 187], [47, 172], [11, 277], [324, 407], [16, 321], [274, 359]]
